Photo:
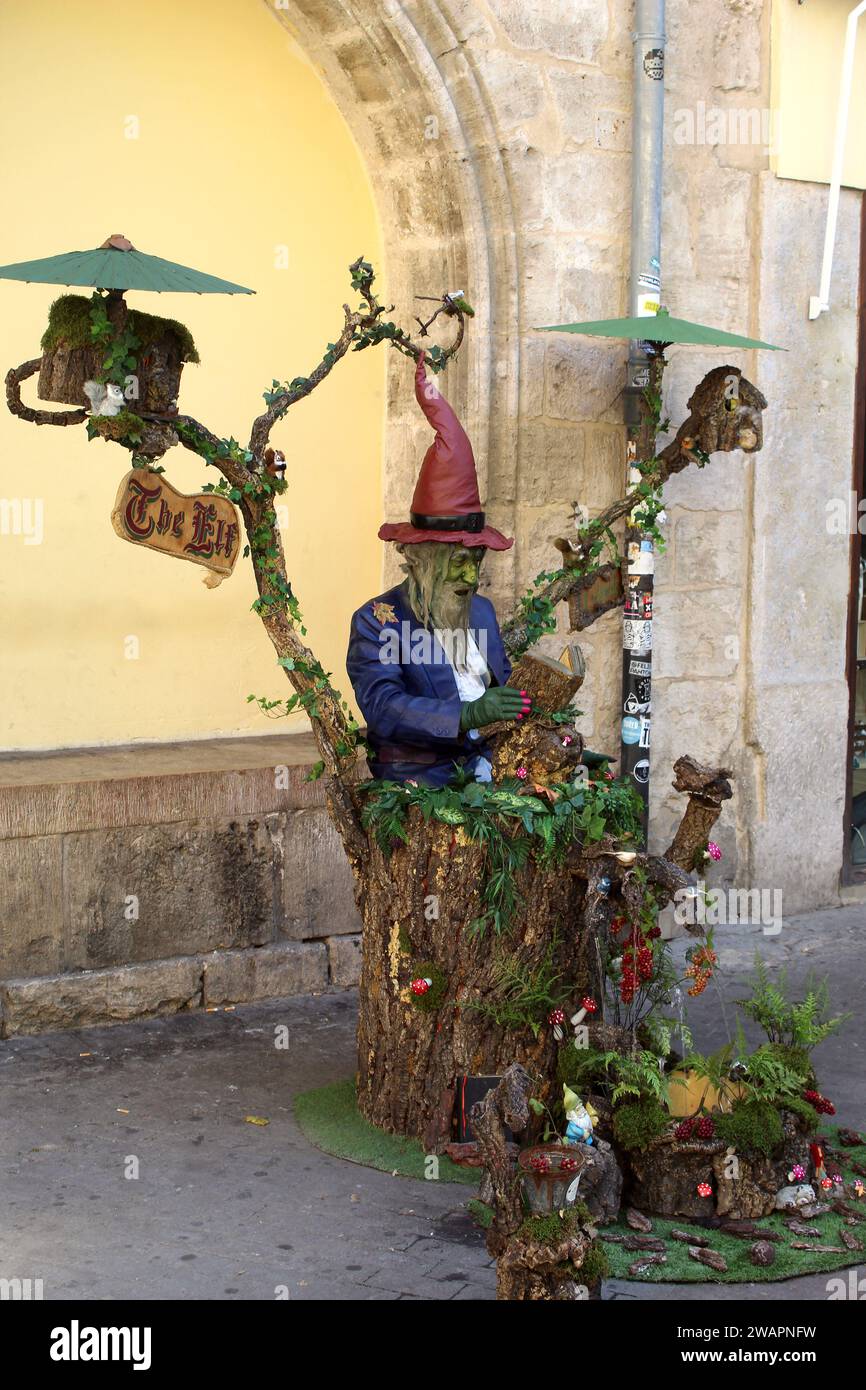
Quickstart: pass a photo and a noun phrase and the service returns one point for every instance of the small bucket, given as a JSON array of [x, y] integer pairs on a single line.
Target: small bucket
[[553, 1186]]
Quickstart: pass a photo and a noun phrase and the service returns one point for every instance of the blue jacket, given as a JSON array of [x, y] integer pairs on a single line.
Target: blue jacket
[[405, 686]]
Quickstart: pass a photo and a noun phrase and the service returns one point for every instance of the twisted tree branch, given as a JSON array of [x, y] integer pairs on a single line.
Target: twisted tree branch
[[718, 422], [14, 378]]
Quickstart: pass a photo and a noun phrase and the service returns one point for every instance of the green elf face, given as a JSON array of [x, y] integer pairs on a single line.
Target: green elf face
[[464, 568]]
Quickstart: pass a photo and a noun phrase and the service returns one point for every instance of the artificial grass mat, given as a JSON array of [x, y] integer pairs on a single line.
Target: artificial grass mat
[[788, 1264], [329, 1118], [682, 1269]]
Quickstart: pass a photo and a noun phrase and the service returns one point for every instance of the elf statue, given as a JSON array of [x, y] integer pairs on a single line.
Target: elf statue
[[426, 659]]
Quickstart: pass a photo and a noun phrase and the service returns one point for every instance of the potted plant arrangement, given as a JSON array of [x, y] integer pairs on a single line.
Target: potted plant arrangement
[[678, 1120], [550, 1172]]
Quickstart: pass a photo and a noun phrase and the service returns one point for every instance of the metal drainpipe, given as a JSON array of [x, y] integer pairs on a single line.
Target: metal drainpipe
[[645, 292]]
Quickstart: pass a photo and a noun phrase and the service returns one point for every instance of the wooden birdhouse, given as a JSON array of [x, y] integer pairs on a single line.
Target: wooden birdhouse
[[98, 338]]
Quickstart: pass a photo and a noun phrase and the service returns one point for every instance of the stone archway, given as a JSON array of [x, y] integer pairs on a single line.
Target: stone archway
[[403, 80]]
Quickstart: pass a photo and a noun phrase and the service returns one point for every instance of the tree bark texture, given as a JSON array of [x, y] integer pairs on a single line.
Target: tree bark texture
[[418, 904], [64, 370], [410, 1049]]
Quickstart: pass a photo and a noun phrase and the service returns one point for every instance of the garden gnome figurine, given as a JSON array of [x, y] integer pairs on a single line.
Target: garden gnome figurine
[[580, 1118], [426, 659]]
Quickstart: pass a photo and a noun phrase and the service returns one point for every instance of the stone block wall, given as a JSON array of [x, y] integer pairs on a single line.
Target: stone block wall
[[132, 896], [498, 138]]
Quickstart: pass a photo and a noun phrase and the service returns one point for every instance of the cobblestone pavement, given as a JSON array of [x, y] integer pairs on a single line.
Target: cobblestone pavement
[[223, 1209]]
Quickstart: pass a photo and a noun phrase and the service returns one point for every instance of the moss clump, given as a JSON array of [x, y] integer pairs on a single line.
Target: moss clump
[[582, 1213], [125, 427], [636, 1124], [595, 1266], [552, 1228], [753, 1127], [579, 1067], [69, 325], [436, 994], [803, 1111], [481, 1213], [403, 940]]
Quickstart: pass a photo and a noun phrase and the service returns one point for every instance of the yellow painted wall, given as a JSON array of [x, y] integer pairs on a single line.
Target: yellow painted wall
[[806, 64], [240, 151]]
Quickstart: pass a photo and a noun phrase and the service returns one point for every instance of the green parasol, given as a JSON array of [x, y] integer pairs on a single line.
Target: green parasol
[[659, 328], [116, 265]]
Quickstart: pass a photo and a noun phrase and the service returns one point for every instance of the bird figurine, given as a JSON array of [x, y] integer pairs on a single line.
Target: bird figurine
[[104, 399], [580, 1118], [457, 301]]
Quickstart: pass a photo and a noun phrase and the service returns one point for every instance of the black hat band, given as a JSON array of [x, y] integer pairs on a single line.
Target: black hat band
[[470, 521]]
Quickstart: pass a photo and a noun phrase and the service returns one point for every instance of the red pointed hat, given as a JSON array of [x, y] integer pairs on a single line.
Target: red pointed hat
[[446, 505]]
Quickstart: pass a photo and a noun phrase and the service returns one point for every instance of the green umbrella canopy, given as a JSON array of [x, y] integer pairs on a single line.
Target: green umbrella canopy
[[659, 328], [116, 265]]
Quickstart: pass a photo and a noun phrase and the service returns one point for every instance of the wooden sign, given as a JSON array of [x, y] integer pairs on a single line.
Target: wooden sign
[[602, 591], [203, 528]]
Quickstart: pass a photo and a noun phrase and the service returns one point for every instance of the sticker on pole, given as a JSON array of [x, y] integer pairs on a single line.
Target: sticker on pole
[[634, 705], [630, 731], [640, 771], [637, 635], [654, 64]]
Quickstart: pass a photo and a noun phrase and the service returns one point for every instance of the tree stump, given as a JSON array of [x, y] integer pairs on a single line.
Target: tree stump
[[418, 905], [537, 1258], [665, 1175]]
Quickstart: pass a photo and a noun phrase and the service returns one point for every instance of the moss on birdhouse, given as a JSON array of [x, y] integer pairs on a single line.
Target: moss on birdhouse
[[69, 325], [124, 428]]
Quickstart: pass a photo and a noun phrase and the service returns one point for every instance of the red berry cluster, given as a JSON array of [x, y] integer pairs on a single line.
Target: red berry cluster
[[540, 1163], [821, 1103], [684, 1129], [637, 960], [705, 1127], [700, 970], [628, 979], [568, 1165]]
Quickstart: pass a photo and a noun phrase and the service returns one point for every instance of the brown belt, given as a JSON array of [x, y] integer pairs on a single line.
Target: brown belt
[[405, 753]]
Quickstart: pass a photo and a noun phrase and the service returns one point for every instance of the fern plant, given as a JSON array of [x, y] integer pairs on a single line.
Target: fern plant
[[524, 997], [715, 1069], [639, 1074], [800, 1023]]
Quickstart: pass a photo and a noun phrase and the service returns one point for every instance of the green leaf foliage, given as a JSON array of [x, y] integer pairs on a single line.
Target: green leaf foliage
[[511, 825], [800, 1023]]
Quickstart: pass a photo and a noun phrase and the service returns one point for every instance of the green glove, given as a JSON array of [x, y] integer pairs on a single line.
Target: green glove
[[500, 702]]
